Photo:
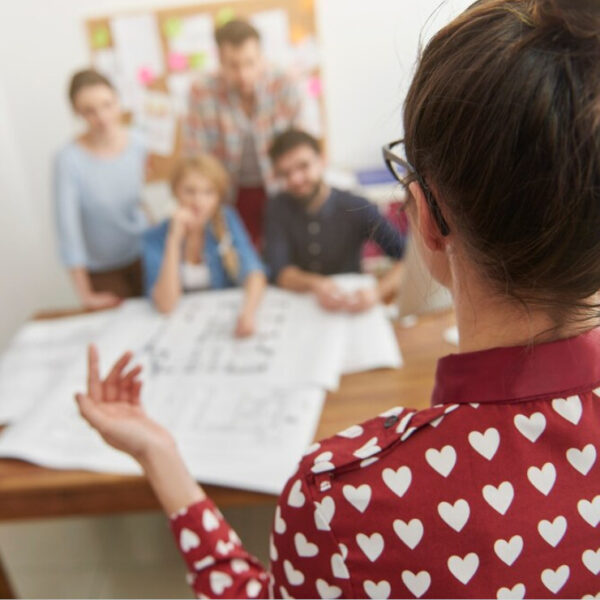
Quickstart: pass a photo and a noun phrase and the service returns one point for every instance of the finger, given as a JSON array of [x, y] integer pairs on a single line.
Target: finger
[[136, 391], [127, 383], [94, 385], [115, 372], [130, 375]]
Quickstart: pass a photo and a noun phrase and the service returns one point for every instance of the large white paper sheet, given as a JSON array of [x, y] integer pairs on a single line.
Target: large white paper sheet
[[38, 357], [242, 411], [228, 435], [370, 339]]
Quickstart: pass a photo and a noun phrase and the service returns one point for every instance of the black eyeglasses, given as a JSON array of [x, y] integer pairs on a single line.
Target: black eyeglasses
[[401, 169]]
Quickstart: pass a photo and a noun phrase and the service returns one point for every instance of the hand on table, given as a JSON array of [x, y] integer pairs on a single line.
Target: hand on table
[[100, 300], [112, 407], [245, 326], [362, 300], [330, 296]]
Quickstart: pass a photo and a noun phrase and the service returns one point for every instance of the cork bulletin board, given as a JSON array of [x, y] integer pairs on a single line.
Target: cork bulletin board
[[153, 56]]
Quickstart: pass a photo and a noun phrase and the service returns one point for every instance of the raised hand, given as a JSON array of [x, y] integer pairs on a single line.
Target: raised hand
[[112, 407]]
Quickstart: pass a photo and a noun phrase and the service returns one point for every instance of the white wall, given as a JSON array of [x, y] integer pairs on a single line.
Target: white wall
[[369, 49]]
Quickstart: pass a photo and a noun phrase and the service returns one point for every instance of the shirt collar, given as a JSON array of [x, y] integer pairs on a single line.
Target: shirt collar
[[560, 368]]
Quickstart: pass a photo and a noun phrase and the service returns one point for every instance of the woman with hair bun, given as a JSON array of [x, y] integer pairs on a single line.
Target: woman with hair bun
[[98, 180], [494, 491]]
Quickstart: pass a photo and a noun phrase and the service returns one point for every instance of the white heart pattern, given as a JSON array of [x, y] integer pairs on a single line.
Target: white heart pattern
[[397, 480], [188, 539], [324, 512], [455, 515], [582, 460], [219, 581], [509, 551], [304, 548], [338, 567], [328, 591], [499, 498], [377, 590], [542, 479], [554, 580], [224, 548], [207, 561], [322, 463], [209, 521], [253, 588], [591, 560], [485, 443], [368, 449], [590, 511], [280, 525], [568, 408], [410, 533], [463, 568], [553, 532], [273, 554], [442, 461], [371, 545], [296, 498], [294, 576], [359, 496], [517, 592], [417, 583], [352, 432], [531, 427], [239, 565]]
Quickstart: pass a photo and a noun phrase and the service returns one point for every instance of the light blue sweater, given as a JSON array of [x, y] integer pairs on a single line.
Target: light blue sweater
[[97, 201]]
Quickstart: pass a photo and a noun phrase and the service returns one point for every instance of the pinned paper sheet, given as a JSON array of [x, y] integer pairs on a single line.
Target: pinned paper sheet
[[195, 37], [157, 119], [274, 29], [179, 85], [310, 114], [137, 48]]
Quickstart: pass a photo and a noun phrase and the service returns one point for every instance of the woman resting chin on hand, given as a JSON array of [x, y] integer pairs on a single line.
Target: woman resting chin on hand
[[204, 245]]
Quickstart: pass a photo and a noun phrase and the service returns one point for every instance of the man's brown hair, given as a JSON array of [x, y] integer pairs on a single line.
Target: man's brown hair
[[235, 33]]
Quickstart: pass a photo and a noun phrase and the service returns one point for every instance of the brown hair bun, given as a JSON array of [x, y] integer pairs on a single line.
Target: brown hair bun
[[579, 18]]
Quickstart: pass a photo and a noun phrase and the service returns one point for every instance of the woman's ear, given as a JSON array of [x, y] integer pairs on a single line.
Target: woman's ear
[[426, 224]]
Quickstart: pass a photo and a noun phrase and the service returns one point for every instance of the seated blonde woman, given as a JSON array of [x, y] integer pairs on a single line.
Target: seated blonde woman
[[204, 245]]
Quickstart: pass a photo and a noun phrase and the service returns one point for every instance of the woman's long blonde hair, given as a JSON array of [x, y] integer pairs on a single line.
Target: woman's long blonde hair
[[211, 168]]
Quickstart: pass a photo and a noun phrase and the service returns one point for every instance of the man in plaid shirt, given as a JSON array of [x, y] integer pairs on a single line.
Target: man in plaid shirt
[[235, 113]]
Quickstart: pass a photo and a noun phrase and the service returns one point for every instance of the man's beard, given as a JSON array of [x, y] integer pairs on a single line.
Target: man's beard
[[307, 199]]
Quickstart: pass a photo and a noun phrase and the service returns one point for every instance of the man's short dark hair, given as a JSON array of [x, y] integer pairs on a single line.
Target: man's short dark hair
[[290, 140], [235, 33]]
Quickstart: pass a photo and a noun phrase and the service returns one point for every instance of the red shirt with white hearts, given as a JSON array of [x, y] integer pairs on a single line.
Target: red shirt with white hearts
[[494, 492]]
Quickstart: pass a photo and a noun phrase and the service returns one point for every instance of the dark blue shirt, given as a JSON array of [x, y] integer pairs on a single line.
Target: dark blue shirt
[[329, 241]]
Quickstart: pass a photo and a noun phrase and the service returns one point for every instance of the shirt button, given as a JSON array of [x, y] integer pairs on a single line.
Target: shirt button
[[314, 227], [314, 248], [390, 421]]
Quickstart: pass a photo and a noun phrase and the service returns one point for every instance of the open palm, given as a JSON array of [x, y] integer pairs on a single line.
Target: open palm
[[112, 407]]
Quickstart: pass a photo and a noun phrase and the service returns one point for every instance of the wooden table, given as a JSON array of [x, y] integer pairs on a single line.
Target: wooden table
[[30, 491]]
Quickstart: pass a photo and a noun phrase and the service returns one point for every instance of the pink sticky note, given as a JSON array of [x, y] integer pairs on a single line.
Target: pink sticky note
[[315, 87], [177, 61], [145, 75]]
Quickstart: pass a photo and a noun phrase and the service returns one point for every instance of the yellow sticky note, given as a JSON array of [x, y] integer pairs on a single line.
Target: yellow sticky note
[[100, 37], [172, 27], [225, 15]]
